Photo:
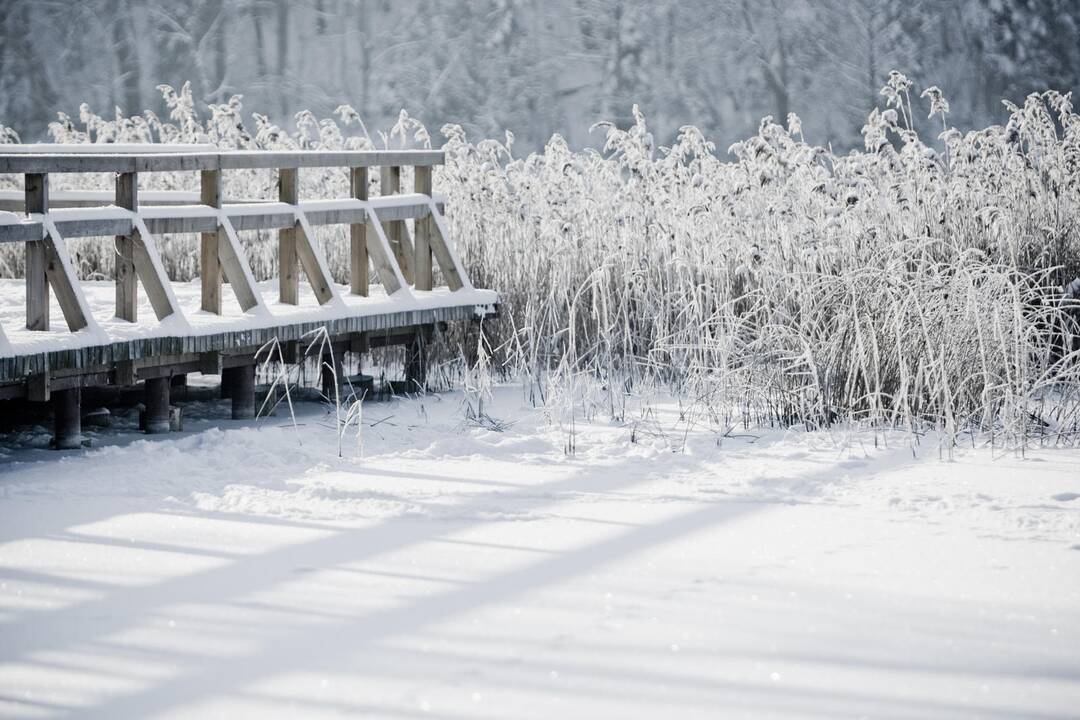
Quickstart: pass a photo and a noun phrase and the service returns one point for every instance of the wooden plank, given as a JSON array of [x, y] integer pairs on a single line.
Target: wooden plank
[[37, 387], [63, 281], [382, 257], [313, 263], [76, 162], [151, 272], [162, 225], [270, 221], [97, 227], [22, 231], [235, 267], [422, 183], [37, 286], [453, 275], [396, 233], [358, 251], [288, 262], [209, 262], [127, 286], [336, 216]]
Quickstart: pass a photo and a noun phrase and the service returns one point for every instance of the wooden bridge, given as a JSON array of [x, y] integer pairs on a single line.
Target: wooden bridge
[[106, 334]]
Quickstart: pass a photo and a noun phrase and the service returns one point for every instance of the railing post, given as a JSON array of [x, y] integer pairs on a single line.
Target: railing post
[[209, 259], [288, 260], [127, 287], [422, 185], [358, 255], [390, 184], [37, 284]]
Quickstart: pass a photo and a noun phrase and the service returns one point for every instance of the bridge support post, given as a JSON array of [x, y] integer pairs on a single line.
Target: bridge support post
[[416, 361], [37, 284], [67, 419], [422, 184], [157, 405], [209, 259], [228, 376], [358, 255], [333, 376], [242, 391], [127, 289], [288, 260]]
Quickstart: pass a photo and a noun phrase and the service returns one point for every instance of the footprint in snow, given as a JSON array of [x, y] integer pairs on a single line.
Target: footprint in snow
[[1065, 496]]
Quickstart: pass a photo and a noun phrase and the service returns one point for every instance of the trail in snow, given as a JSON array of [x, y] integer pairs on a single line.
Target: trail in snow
[[453, 571]]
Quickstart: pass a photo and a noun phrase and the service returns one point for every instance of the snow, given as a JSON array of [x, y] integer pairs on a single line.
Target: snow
[[106, 148], [101, 302], [245, 570]]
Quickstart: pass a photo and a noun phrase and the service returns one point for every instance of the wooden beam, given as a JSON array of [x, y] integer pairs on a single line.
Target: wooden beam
[[440, 247], [382, 257], [396, 233], [288, 262], [358, 251], [314, 266], [22, 231], [210, 263], [64, 283], [235, 267], [96, 227], [423, 270], [151, 272], [127, 286], [37, 285], [79, 162]]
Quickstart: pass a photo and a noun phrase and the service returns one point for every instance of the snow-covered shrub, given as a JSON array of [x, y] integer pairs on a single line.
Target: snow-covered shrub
[[896, 286]]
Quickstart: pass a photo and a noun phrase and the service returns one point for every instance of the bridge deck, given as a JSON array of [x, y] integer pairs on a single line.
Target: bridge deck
[[194, 330], [58, 333]]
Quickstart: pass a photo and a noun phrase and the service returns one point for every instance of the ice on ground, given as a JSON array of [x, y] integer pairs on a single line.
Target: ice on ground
[[245, 570]]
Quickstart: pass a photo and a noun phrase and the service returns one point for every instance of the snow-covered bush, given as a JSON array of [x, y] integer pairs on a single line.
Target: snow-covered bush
[[895, 286]]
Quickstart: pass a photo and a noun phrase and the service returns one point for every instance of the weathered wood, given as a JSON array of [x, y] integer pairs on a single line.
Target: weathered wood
[[423, 270], [288, 262], [37, 286], [156, 418], [452, 274], [187, 224], [382, 257], [67, 420], [234, 266], [358, 251], [396, 232], [63, 282], [151, 272], [95, 227], [38, 388], [315, 269], [21, 231], [170, 162], [125, 373], [242, 392], [209, 262], [159, 222], [127, 287], [210, 363], [416, 361]]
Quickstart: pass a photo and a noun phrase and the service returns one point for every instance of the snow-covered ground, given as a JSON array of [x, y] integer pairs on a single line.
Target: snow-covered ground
[[455, 571]]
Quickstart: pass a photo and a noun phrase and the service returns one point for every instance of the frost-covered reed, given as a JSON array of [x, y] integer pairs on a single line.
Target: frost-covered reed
[[899, 286]]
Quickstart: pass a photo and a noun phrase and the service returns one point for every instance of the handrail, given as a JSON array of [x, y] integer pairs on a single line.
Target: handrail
[[76, 162], [400, 265]]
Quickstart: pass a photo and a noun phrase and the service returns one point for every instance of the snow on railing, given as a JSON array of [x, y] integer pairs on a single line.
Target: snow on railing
[[402, 263]]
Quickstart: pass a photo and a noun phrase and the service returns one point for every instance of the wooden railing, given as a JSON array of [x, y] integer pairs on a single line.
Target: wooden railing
[[378, 232]]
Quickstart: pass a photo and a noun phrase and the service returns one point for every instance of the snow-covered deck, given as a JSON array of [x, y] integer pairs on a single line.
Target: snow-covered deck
[[193, 330], [52, 322]]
